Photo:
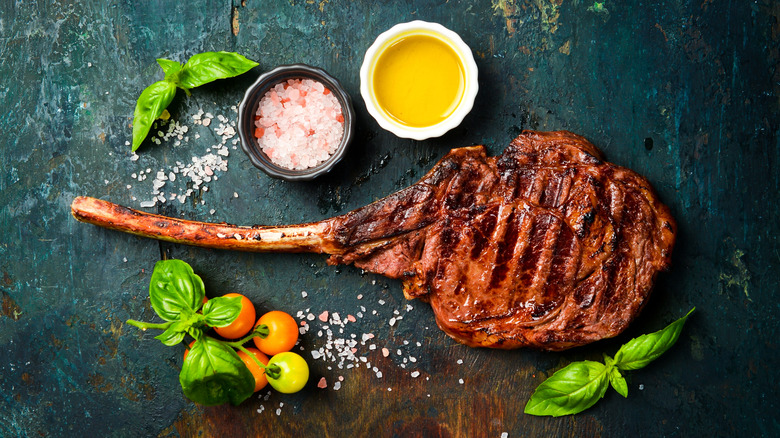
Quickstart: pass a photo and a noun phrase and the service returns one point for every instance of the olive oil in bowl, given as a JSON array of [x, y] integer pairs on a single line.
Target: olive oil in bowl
[[419, 80]]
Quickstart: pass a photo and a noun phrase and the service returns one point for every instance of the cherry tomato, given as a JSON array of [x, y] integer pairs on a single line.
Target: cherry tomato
[[259, 373], [282, 333], [293, 372], [243, 323], [187, 351]]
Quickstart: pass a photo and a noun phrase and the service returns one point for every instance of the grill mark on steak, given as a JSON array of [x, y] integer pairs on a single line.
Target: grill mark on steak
[[504, 251], [546, 245], [485, 228]]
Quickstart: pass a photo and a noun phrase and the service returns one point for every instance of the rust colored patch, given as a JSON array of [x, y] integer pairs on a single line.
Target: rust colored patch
[[98, 382], [565, 48], [234, 21], [55, 342], [7, 280], [10, 308], [322, 5], [134, 391], [509, 10], [26, 378]]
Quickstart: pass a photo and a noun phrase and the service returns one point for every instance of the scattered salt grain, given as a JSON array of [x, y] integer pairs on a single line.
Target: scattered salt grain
[[300, 123], [322, 383]]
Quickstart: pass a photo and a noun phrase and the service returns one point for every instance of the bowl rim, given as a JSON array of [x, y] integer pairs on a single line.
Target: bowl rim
[[471, 74], [253, 95]]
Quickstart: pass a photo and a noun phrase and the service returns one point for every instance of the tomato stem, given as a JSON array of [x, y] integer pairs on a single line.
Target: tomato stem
[[261, 331], [254, 358], [272, 371]]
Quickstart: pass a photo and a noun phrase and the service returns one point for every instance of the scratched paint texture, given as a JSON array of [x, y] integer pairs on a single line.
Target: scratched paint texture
[[684, 92]]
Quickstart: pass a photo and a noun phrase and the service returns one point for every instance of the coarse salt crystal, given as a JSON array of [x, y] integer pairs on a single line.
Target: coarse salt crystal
[[299, 126]]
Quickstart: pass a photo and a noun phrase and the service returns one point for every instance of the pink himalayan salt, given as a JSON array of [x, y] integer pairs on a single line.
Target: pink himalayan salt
[[299, 124]]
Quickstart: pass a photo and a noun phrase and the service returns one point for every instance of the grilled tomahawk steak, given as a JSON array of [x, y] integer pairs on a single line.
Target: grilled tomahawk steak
[[544, 246]]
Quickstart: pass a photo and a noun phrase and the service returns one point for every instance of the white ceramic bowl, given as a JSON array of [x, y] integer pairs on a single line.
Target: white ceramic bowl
[[385, 40]]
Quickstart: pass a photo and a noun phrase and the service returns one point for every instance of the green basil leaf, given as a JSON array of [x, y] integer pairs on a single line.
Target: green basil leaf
[[152, 102], [222, 311], [618, 382], [175, 290], [213, 374], [174, 334], [639, 352], [570, 390], [209, 66], [169, 67]]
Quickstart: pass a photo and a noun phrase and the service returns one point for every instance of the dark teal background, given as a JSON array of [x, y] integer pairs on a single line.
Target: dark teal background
[[683, 92]]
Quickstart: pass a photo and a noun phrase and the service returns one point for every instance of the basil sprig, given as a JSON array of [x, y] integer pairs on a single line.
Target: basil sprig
[[212, 373], [200, 69], [580, 385]]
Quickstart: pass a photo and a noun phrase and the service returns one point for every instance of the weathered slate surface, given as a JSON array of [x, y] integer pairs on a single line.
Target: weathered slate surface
[[685, 93]]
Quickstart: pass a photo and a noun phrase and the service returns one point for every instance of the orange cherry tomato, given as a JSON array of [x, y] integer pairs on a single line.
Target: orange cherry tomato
[[187, 351], [243, 323], [282, 333], [260, 379]]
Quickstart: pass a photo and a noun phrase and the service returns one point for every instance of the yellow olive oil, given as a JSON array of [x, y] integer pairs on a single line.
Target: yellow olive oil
[[418, 80]]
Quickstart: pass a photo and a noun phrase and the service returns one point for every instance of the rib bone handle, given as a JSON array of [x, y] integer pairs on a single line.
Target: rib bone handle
[[293, 238]]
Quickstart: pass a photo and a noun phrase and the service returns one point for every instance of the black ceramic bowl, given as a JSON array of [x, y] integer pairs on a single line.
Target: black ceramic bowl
[[248, 107]]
